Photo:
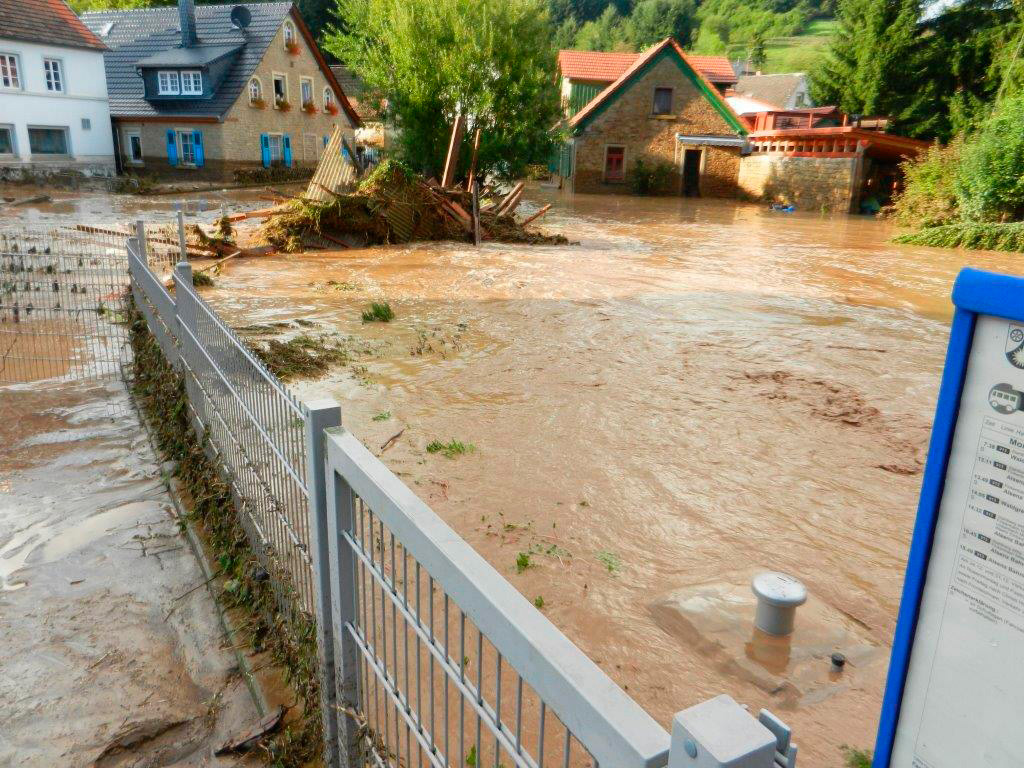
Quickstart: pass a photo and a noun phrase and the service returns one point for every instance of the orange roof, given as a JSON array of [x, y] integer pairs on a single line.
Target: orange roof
[[49, 22], [641, 60], [605, 67]]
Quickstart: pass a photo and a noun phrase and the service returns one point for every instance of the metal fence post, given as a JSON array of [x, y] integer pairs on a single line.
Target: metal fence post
[[140, 234], [181, 235], [323, 414], [344, 599]]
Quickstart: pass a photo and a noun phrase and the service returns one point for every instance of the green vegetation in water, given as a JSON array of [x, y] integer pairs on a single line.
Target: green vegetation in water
[[379, 311], [450, 449], [610, 560], [989, 236], [652, 177], [523, 562], [382, 416], [287, 636], [201, 279], [856, 758], [471, 757], [302, 357], [538, 602]]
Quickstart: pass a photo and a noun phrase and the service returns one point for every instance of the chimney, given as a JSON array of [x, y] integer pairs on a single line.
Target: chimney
[[187, 14]]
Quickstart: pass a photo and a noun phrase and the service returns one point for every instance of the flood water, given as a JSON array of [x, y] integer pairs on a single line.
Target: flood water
[[697, 391]]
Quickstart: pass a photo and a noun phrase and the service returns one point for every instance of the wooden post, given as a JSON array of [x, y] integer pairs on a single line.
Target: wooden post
[[472, 162], [476, 208], [452, 160]]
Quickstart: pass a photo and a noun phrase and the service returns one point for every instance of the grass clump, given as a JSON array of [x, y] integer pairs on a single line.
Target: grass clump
[[201, 279], [610, 560], [856, 758], [523, 562], [302, 357], [983, 235], [382, 416], [538, 602], [379, 311], [451, 449]]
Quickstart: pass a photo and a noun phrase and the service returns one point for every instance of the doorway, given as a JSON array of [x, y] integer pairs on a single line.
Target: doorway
[[691, 172]]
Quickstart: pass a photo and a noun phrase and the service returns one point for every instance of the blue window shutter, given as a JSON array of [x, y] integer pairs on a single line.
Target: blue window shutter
[[172, 148], [326, 139], [197, 138], [265, 149], [287, 140]]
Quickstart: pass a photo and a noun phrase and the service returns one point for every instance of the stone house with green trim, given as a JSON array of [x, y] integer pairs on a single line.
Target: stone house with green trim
[[205, 91], [660, 110]]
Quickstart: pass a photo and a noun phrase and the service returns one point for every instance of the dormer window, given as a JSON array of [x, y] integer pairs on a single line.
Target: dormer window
[[167, 83], [191, 82]]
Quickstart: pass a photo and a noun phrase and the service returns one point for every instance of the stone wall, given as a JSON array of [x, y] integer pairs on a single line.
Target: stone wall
[[628, 122], [809, 183], [235, 143]]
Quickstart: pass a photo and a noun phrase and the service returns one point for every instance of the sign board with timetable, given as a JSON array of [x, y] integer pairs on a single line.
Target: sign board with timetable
[[955, 692]]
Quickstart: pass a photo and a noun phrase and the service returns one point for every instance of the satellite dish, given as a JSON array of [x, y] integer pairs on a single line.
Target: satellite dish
[[240, 17]]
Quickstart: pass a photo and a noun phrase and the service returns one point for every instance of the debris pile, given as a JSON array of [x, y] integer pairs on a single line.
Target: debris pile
[[395, 205]]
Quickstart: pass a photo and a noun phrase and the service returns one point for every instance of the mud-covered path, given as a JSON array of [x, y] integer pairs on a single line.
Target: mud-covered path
[[112, 652]]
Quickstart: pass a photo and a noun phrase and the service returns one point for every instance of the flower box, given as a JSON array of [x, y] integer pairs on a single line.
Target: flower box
[[292, 48], [331, 107], [283, 105], [257, 103], [309, 108]]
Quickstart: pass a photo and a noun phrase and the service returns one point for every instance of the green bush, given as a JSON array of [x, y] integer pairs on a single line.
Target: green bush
[[990, 180], [929, 197], [651, 177], [980, 235]]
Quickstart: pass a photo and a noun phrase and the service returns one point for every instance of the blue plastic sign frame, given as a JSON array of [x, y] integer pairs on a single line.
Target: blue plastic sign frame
[[974, 293]]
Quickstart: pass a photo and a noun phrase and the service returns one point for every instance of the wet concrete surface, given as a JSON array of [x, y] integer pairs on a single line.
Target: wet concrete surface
[[113, 653], [699, 389]]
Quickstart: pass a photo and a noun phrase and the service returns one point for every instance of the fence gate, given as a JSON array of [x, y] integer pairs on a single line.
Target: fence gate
[[62, 303]]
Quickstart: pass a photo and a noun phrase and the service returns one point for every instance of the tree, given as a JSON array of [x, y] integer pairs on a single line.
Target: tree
[[491, 60], [873, 62], [990, 180], [653, 20], [756, 53], [608, 32]]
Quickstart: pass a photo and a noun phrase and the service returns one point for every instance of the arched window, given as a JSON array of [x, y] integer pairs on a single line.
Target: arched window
[[328, 97], [289, 35], [255, 90]]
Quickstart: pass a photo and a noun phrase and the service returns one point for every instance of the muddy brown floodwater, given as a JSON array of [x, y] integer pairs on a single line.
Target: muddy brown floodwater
[[695, 392]]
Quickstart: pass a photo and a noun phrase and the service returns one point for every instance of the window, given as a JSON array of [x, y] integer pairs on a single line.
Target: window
[[192, 82], [186, 148], [280, 89], [134, 142], [306, 89], [328, 98], [48, 141], [167, 83], [9, 73], [614, 163], [6, 139], [54, 75], [255, 90], [662, 101], [86, 124], [276, 153], [289, 35]]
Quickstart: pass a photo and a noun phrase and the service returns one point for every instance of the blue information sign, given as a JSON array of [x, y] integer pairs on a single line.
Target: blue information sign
[[954, 696]]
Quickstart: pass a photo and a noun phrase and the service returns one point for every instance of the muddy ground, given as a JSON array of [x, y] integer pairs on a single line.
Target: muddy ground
[[113, 653]]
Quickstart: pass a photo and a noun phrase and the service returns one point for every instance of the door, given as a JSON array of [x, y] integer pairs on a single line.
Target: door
[[691, 172]]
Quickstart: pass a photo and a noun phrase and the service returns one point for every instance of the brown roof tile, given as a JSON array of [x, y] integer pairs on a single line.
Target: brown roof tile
[[45, 21]]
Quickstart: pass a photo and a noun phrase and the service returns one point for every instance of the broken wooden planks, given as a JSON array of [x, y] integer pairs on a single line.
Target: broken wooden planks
[[536, 215], [511, 200], [454, 143], [472, 161]]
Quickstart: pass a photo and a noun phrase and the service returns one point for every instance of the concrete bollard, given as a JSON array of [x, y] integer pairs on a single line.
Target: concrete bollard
[[778, 597]]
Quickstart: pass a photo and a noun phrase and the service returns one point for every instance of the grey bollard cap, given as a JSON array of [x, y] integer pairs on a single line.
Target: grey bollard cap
[[778, 596]]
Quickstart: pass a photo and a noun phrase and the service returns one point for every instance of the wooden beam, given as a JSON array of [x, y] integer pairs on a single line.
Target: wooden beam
[[508, 204], [536, 215], [452, 160], [476, 211], [472, 162]]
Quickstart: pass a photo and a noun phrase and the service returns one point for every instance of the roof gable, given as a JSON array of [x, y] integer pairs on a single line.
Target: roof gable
[[47, 22], [667, 48]]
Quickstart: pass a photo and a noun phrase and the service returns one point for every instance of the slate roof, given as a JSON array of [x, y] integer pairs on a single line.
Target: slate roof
[[605, 67], [200, 56], [774, 89], [45, 21]]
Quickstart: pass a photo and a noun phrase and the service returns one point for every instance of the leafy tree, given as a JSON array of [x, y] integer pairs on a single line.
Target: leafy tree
[[990, 179], [608, 32], [82, 6], [928, 198], [756, 53], [873, 62], [654, 20], [491, 60], [318, 15]]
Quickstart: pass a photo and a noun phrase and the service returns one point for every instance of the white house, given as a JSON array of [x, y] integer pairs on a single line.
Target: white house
[[54, 113]]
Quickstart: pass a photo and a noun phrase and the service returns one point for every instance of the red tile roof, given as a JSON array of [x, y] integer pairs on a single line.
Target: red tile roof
[[606, 67], [641, 60], [45, 21]]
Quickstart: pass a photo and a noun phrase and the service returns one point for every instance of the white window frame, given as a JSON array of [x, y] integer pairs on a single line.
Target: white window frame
[[280, 144], [328, 96], [53, 74], [289, 33], [190, 76], [173, 87], [178, 134], [134, 133], [274, 77], [303, 82], [10, 71], [259, 89], [9, 127], [67, 140]]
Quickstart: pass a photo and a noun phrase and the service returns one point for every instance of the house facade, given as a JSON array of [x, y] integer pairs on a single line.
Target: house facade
[[208, 91], [54, 112], [660, 110]]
